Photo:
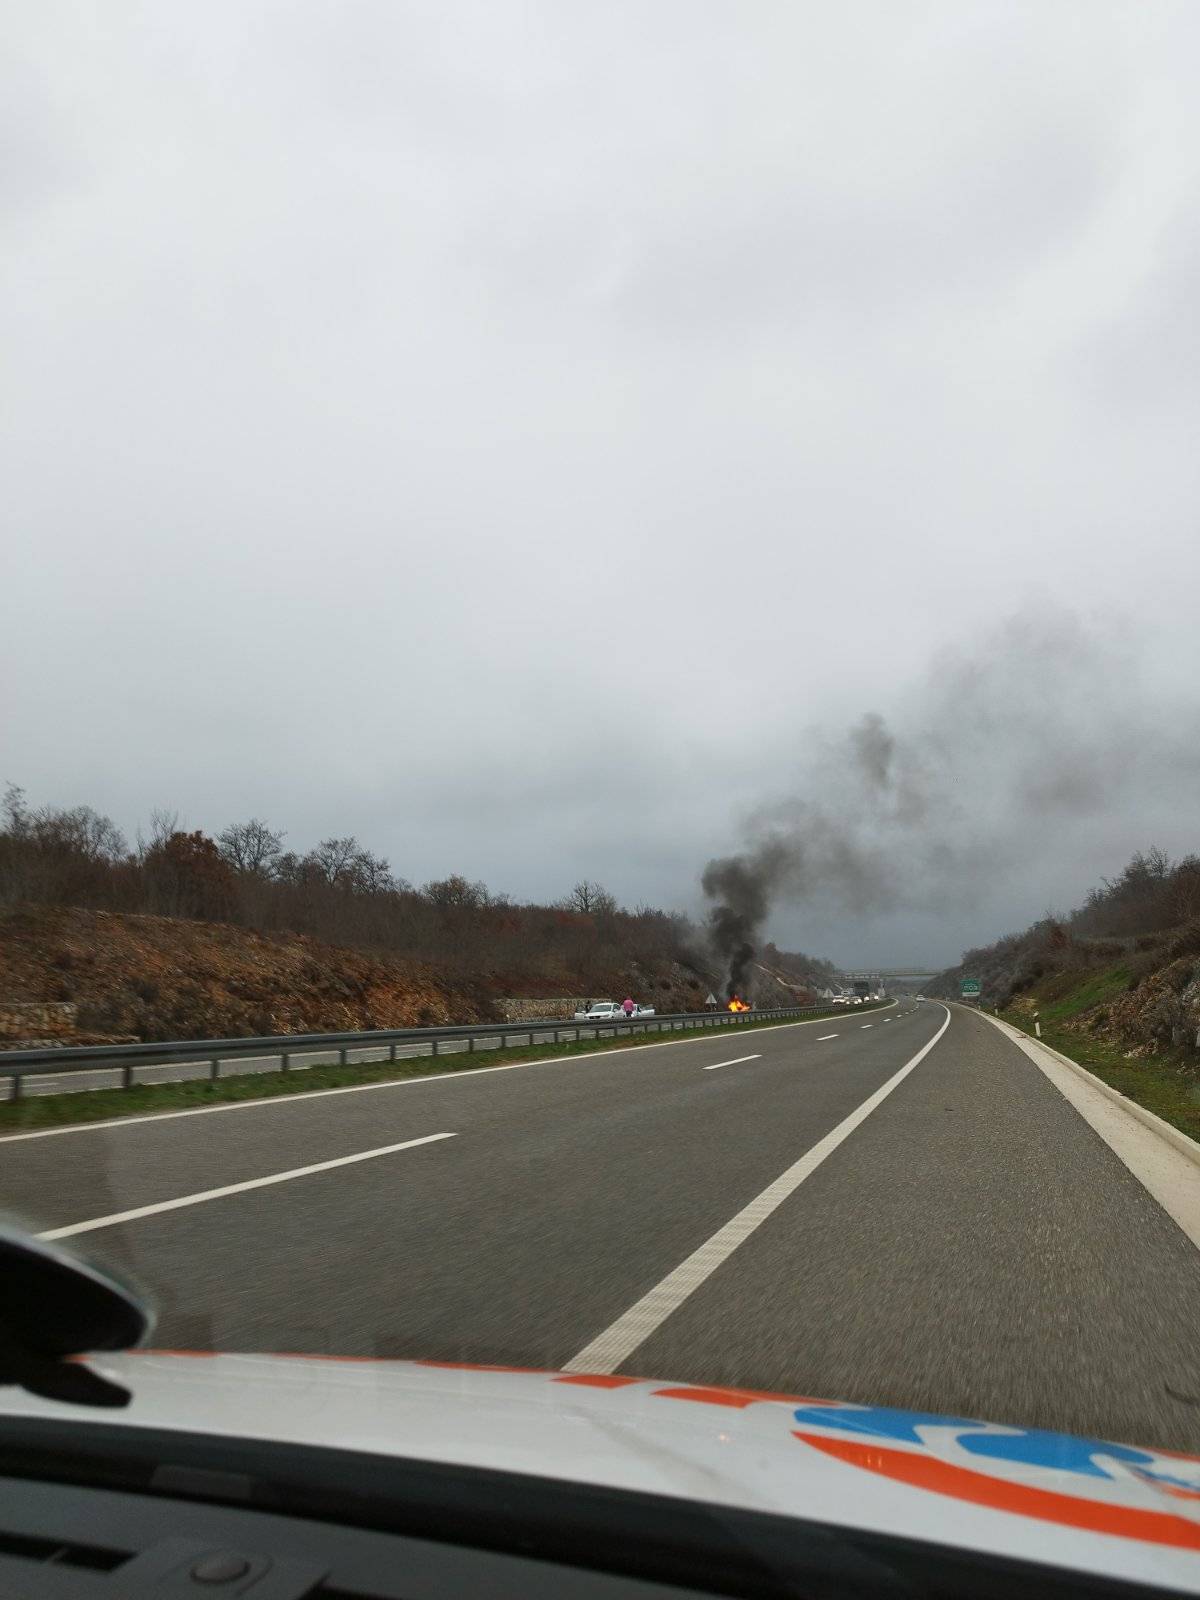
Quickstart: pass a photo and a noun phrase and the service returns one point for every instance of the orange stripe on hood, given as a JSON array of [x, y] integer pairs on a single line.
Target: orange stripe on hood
[[922, 1471]]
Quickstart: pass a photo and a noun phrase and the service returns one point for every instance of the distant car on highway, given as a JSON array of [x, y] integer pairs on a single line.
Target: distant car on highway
[[643, 1011]]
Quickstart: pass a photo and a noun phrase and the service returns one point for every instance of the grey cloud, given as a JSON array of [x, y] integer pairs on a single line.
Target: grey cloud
[[1150, 353], [873, 747], [528, 437]]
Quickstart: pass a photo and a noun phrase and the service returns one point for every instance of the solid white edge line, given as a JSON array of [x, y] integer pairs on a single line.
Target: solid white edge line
[[1165, 1171], [701, 1037], [617, 1342], [202, 1195], [736, 1062]]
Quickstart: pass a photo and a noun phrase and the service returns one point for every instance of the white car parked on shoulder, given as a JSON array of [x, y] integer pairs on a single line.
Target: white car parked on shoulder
[[610, 1011], [600, 1011]]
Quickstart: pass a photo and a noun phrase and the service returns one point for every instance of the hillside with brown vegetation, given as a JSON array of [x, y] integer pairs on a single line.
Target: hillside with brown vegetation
[[147, 977], [191, 935], [165, 978]]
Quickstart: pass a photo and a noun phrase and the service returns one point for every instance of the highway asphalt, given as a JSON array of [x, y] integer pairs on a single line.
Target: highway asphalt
[[965, 1243]]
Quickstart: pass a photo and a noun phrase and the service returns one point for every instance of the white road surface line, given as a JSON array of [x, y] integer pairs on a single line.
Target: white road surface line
[[1163, 1171], [701, 1036], [868, 1024], [234, 1188], [617, 1343], [821, 1037], [736, 1062]]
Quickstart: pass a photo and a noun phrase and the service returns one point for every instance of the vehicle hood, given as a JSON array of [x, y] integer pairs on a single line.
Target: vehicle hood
[[1085, 1504]]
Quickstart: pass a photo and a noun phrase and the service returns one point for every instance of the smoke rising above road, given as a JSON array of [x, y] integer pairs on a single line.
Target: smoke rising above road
[[1042, 738], [742, 886]]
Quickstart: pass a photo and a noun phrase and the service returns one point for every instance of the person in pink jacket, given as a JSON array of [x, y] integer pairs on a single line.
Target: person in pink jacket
[[628, 1007]]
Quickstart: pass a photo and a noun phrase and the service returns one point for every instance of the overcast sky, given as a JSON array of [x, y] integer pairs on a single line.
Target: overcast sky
[[520, 435]]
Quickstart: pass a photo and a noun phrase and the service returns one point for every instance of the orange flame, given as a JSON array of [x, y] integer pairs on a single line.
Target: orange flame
[[737, 1004]]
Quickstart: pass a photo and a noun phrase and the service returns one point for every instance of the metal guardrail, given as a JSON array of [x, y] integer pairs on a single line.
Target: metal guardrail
[[19, 1064]]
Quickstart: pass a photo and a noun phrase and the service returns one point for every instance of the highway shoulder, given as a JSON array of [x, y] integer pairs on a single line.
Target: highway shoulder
[[1163, 1160]]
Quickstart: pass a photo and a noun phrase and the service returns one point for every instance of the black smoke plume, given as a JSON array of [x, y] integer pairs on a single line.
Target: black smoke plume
[[1043, 735], [741, 886]]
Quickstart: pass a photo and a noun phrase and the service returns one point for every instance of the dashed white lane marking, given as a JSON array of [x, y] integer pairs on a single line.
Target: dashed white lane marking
[[202, 1195], [868, 1024], [699, 1037], [617, 1343], [736, 1062], [821, 1037]]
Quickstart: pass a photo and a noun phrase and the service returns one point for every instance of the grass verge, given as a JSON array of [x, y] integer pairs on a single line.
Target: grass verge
[[1083, 995], [1167, 1084], [102, 1105]]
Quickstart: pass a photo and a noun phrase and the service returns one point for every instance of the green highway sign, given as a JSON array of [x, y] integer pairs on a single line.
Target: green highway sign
[[970, 988]]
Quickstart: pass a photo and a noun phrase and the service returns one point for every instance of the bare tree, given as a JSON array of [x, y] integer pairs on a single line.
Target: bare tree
[[251, 846], [335, 860], [1158, 863], [1185, 889], [591, 899], [79, 831], [163, 825], [456, 891], [16, 812], [373, 874]]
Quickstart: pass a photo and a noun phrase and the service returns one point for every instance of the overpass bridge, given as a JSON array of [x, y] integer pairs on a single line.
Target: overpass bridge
[[883, 977], [891, 972]]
